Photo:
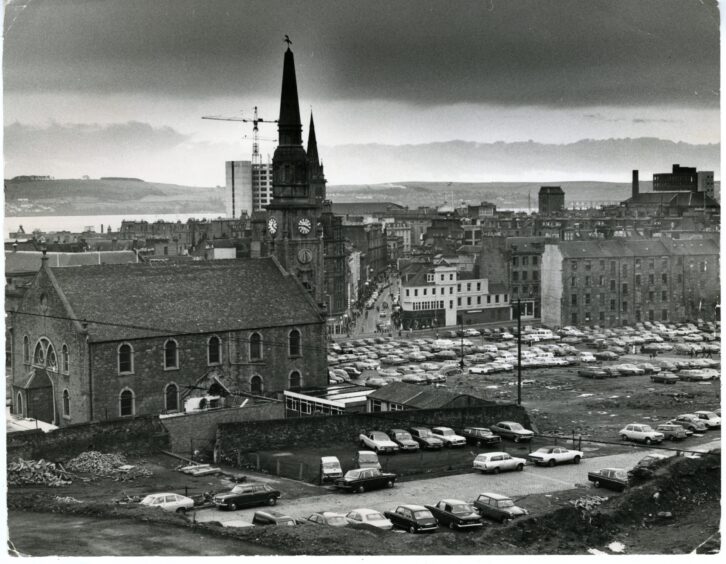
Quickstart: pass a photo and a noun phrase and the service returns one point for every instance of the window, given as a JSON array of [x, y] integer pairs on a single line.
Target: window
[[679, 261], [612, 267], [66, 404], [171, 355], [8, 353], [651, 264], [638, 315], [515, 276], [602, 316], [39, 355], [295, 380], [637, 263], [294, 343], [637, 279], [602, 265], [587, 281], [625, 307], [573, 299], [451, 276], [65, 359], [458, 301], [664, 263], [664, 278], [255, 346], [415, 292], [625, 289], [702, 266], [468, 286], [587, 316], [664, 296], [468, 300], [171, 397], [651, 279], [588, 265], [664, 315], [573, 281], [44, 355], [535, 275], [587, 299], [126, 403], [524, 275], [496, 298], [573, 264], [478, 286], [214, 350], [256, 384], [573, 318], [651, 315], [478, 300], [451, 304], [489, 299], [125, 359], [506, 298], [26, 350], [612, 285], [612, 305], [525, 261], [458, 287], [424, 291], [515, 261], [651, 296], [19, 405], [534, 261], [407, 292]]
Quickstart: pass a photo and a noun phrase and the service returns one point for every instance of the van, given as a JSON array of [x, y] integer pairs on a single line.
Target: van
[[330, 469], [367, 459]]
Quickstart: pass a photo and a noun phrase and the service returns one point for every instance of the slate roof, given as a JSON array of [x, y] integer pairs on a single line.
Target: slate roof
[[364, 208], [673, 198], [140, 300], [29, 261], [692, 246], [637, 248], [413, 395]]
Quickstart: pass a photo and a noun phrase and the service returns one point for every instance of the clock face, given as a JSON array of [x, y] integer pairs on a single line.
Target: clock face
[[305, 256], [304, 226], [272, 225]]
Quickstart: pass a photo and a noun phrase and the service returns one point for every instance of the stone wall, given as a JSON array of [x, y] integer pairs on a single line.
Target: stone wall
[[128, 436], [278, 434]]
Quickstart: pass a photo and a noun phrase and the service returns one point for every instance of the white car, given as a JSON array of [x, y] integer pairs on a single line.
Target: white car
[[640, 432], [378, 442], [447, 435], [430, 366], [483, 369], [497, 461], [471, 333], [586, 357], [371, 517], [711, 420], [552, 455], [169, 502]]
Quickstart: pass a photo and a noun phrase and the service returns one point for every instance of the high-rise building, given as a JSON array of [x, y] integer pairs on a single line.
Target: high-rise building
[[551, 199], [249, 187]]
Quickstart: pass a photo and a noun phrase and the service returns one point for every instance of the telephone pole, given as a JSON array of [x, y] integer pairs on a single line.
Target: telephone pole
[[519, 352]]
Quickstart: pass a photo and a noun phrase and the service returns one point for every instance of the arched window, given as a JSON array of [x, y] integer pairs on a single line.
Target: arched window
[[255, 346], [66, 361], [256, 385], [171, 397], [126, 403], [66, 403], [26, 350], [125, 359], [51, 362], [171, 355], [214, 350], [294, 343], [19, 405], [39, 355], [295, 380], [44, 355]]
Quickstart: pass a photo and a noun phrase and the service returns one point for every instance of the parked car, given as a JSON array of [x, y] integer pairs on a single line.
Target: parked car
[[711, 420], [471, 333], [664, 378], [330, 469], [378, 442], [497, 461], [691, 422], [363, 479], [673, 432], [630, 370], [403, 439], [605, 355], [611, 478], [456, 514], [643, 466], [480, 436], [424, 437], [449, 438], [597, 373], [269, 517], [412, 518], [640, 432], [367, 459], [512, 430], [246, 495], [371, 517], [498, 507], [552, 455], [169, 502], [329, 518]]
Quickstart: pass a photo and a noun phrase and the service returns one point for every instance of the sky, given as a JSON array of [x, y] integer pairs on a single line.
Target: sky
[[118, 87]]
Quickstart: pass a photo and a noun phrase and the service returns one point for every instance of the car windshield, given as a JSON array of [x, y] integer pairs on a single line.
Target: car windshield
[[403, 436], [337, 520], [646, 428], [352, 475], [505, 503], [379, 436], [422, 514], [709, 414], [375, 517], [424, 433], [516, 427], [461, 509], [331, 465], [446, 432], [543, 450], [239, 489], [149, 499]]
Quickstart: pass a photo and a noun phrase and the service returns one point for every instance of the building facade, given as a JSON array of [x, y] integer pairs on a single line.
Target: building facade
[[249, 187], [551, 199]]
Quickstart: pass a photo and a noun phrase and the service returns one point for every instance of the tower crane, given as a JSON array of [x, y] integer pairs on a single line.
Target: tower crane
[[256, 159]]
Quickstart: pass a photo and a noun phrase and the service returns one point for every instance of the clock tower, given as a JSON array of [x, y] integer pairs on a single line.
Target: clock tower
[[294, 233]]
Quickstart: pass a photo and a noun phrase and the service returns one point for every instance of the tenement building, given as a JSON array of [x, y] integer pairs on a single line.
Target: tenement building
[[620, 282], [113, 341]]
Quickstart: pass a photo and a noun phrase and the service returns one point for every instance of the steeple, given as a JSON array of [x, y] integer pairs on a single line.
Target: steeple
[[289, 127], [312, 143]]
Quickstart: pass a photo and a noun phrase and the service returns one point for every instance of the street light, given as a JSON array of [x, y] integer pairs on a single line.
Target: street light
[[519, 351]]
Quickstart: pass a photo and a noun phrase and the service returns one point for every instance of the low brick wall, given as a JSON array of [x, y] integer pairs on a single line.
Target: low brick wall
[[128, 436], [279, 434], [198, 431]]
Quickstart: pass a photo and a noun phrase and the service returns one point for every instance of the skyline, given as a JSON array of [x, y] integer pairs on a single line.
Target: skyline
[[119, 88]]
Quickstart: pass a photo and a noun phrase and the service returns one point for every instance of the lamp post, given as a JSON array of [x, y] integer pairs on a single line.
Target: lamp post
[[519, 351], [461, 333]]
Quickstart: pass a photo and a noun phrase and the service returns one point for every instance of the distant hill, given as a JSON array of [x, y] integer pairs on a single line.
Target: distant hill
[[107, 196]]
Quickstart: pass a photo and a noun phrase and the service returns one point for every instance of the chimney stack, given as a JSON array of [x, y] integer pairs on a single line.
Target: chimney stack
[[636, 187]]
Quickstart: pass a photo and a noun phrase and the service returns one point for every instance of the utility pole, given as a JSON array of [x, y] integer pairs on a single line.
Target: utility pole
[[461, 332], [519, 351]]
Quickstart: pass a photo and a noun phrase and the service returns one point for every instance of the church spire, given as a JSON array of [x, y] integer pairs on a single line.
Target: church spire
[[312, 143], [289, 127]]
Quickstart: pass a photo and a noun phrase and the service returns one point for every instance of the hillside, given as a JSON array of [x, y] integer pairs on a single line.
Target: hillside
[[107, 197]]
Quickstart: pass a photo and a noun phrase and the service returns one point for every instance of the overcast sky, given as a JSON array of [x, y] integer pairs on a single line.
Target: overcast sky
[[118, 87]]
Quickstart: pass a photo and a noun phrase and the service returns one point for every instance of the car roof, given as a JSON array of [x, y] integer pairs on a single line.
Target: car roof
[[448, 428], [453, 501], [419, 428], [491, 453], [507, 422], [331, 514], [412, 506], [616, 469], [397, 430], [495, 495], [364, 511], [162, 493]]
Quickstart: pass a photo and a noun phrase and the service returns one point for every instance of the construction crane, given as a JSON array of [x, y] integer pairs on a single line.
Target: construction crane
[[256, 159]]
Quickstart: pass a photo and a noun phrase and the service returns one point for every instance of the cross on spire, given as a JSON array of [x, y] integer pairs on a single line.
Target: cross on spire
[[287, 40]]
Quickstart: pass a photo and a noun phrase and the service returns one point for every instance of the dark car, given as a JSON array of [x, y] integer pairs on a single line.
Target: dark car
[[605, 355], [363, 479], [268, 517], [424, 437], [592, 373], [403, 439], [611, 478], [246, 495], [691, 422], [328, 518], [498, 507], [673, 432], [512, 430], [456, 514], [664, 378], [412, 518], [480, 436]]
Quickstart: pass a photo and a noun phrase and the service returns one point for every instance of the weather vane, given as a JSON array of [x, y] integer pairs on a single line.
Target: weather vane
[[287, 40]]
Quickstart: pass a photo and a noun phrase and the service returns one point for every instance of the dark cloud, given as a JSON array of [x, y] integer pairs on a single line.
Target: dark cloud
[[515, 52]]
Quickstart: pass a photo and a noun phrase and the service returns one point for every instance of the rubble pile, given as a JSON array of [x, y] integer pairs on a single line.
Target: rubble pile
[[25, 472], [107, 465], [588, 502], [66, 499]]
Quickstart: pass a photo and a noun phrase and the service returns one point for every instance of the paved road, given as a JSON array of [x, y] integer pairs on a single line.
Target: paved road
[[533, 480]]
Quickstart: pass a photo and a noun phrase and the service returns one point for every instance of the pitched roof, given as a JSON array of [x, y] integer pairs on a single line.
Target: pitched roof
[[413, 395], [140, 300], [358, 208], [29, 261]]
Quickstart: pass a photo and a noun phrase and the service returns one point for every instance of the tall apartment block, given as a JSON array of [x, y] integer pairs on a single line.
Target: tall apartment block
[[249, 187]]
